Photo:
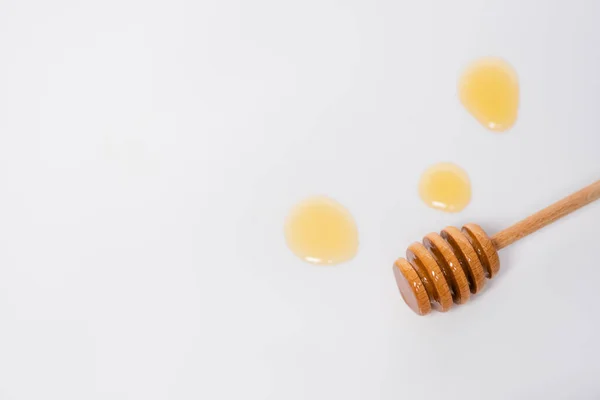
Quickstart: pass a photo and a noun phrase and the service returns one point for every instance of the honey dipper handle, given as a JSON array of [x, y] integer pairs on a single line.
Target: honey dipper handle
[[547, 216]]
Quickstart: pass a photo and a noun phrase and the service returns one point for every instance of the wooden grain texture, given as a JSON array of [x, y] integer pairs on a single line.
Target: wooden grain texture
[[444, 256], [547, 216], [431, 275], [467, 256], [484, 247], [411, 287]]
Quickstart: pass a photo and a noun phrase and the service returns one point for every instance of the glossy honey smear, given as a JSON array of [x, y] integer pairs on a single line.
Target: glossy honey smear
[[445, 186], [321, 231], [489, 90]]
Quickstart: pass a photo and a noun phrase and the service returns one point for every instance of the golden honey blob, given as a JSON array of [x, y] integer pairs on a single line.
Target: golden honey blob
[[489, 90], [321, 231]]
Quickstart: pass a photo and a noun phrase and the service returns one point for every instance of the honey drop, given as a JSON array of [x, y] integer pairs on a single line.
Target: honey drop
[[321, 231], [489, 90], [445, 186]]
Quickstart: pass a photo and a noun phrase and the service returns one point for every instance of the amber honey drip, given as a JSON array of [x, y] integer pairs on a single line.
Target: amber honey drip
[[445, 186], [321, 231], [489, 90]]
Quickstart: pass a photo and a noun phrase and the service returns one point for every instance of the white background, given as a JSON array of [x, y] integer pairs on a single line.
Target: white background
[[149, 153]]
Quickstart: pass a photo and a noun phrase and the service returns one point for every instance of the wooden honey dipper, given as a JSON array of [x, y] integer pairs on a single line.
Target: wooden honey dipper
[[450, 266]]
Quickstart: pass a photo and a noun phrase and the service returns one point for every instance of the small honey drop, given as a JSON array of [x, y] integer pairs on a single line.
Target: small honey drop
[[321, 231], [489, 90], [445, 186]]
